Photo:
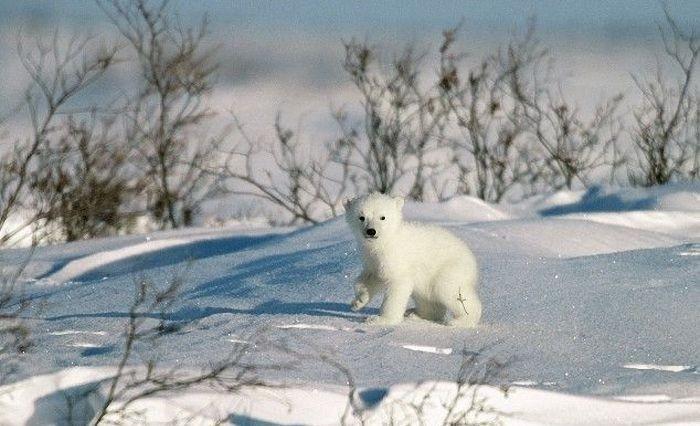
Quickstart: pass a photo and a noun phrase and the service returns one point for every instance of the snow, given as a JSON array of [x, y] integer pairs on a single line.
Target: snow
[[428, 349], [594, 303], [458, 209], [308, 326], [673, 223], [315, 406], [67, 332], [78, 267], [671, 368]]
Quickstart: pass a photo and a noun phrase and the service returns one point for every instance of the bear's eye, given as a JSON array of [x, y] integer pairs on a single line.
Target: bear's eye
[[362, 218], [382, 218]]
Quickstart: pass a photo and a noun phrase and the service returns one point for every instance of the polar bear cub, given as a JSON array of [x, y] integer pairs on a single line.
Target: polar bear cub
[[407, 260]]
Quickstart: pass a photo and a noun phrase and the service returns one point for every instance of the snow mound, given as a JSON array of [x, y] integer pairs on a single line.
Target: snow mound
[[673, 197], [82, 265], [560, 237], [189, 245], [682, 224], [458, 209], [671, 209]]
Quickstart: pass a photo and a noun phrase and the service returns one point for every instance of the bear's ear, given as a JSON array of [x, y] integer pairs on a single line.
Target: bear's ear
[[399, 202]]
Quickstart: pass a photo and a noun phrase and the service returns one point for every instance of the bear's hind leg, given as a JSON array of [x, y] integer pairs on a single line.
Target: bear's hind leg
[[465, 309], [457, 292], [430, 311]]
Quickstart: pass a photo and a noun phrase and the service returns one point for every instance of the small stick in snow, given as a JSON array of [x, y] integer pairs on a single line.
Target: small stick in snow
[[461, 300]]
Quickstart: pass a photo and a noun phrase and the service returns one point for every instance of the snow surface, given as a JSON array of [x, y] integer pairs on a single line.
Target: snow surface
[[595, 308]]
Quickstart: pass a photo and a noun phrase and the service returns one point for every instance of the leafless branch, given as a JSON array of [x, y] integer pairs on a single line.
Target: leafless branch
[[168, 114], [281, 174], [665, 128]]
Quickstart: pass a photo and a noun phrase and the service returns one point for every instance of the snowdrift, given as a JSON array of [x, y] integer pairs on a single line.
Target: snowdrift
[[597, 310]]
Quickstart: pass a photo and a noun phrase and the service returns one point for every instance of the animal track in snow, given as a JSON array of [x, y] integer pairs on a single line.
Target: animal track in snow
[[669, 368]]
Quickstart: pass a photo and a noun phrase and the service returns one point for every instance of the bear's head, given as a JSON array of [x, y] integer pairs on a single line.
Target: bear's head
[[374, 217]]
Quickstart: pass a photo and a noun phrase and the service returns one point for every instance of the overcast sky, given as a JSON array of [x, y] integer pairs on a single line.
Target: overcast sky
[[286, 55], [615, 18]]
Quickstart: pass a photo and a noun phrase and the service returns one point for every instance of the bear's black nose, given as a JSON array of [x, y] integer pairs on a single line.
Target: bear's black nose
[[371, 232]]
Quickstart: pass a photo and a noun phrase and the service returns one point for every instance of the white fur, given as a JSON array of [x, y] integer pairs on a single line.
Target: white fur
[[412, 260]]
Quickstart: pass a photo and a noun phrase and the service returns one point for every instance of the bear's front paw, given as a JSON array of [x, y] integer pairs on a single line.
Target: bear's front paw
[[361, 299], [357, 304], [380, 320]]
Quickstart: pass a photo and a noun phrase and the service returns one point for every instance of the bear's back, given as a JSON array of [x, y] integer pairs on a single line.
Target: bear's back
[[433, 240]]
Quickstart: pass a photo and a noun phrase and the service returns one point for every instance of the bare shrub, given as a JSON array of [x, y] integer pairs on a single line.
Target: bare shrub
[[15, 333], [139, 375], [566, 147], [281, 173], [59, 73], [83, 182], [468, 406], [462, 402], [500, 130], [575, 148], [517, 134], [392, 149], [666, 125], [493, 152], [168, 116]]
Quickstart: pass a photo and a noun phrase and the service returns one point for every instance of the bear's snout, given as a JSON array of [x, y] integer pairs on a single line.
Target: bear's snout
[[371, 232]]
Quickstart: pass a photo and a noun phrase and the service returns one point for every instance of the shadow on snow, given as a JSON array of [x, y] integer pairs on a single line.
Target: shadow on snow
[[173, 255], [271, 307]]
